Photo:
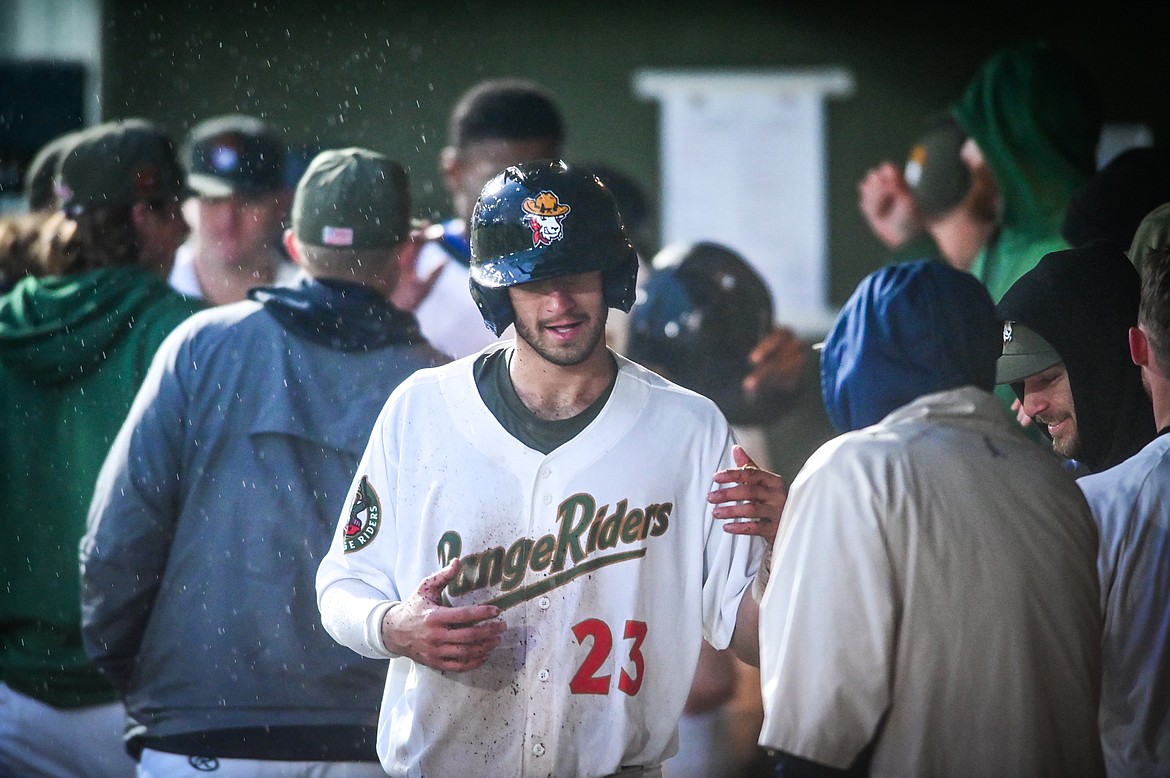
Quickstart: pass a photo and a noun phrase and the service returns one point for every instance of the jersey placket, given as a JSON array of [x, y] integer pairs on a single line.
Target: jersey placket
[[541, 631]]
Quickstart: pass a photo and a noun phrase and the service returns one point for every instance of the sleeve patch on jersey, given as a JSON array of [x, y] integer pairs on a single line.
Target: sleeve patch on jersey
[[365, 516]]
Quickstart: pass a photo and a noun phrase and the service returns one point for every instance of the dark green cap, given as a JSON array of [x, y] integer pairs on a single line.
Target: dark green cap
[[119, 163], [352, 198], [1025, 353]]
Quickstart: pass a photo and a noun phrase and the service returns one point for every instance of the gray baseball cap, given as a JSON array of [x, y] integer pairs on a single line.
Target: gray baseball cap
[[352, 198], [935, 171], [1024, 354]]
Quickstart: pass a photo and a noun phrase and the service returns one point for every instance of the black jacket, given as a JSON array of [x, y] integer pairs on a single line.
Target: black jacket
[[1083, 301]]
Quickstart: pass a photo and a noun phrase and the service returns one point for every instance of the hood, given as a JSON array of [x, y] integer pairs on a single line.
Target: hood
[[57, 329], [1110, 207], [1083, 302], [1035, 114], [908, 330], [340, 315]]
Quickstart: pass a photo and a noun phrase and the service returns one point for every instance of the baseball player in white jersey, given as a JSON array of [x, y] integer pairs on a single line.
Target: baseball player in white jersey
[[563, 495]]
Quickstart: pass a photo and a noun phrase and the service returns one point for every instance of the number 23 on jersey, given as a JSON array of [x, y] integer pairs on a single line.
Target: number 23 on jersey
[[588, 678]]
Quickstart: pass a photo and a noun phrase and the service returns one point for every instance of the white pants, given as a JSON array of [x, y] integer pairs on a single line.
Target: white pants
[[158, 764], [40, 741], [702, 746]]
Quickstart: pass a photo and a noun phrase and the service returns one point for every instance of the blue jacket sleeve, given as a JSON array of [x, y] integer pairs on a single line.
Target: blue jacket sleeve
[[132, 518]]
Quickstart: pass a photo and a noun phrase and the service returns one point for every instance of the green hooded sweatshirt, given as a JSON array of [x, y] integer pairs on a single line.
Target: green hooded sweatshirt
[[1036, 117], [73, 351]]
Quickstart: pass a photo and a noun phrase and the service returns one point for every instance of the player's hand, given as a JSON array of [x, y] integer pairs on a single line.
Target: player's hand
[[456, 639], [888, 205], [754, 494], [411, 288], [1024, 419], [777, 363]]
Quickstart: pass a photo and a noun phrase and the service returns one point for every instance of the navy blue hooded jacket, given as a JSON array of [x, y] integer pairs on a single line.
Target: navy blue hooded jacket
[[908, 330]]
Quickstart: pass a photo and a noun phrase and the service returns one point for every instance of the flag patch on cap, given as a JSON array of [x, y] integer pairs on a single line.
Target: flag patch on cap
[[337, 236]]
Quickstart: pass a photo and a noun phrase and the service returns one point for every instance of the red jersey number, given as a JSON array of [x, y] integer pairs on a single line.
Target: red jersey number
[[586, 680]]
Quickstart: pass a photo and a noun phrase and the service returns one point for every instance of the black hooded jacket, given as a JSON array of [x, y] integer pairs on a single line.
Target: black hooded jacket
[[1083, 301]]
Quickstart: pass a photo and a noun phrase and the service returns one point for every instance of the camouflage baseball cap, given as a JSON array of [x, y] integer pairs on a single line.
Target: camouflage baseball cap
[[352, 198], [233, 154], [1025, 353], [119, 163]]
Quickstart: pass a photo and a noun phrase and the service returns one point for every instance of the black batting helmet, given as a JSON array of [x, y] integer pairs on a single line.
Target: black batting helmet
[[698, 318], [541, 220]]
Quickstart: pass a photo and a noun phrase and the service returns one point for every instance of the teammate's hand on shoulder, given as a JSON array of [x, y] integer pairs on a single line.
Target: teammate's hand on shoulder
[[886, 202], [754, 497], [442, 637]]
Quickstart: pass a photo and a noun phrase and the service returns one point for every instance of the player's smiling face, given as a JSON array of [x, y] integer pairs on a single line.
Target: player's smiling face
[[561, 319], [1048, 400]]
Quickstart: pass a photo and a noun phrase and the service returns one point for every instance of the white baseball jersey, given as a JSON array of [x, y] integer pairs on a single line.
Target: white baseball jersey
[[184, 280], [1131, 503], [448, 316], [603, 555]]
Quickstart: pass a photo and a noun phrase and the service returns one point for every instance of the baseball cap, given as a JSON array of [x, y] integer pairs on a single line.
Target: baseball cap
[[352, 198], [119, 163], [1025, 353], [233, 154], [40, 176], [935, 171]]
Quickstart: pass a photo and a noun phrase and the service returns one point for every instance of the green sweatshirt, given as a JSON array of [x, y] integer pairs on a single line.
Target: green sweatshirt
[[73, 351], [1035, 116]]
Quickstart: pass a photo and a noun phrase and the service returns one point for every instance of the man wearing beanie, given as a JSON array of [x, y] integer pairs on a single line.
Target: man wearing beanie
[[1066, 354], [76, 337], [899, 631], [221, 491]]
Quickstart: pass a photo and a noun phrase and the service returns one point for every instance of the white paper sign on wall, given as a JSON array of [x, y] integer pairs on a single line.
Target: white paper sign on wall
[[743, 163]]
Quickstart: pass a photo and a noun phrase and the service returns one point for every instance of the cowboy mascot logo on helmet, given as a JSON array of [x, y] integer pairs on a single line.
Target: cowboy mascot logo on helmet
[[544, 215]]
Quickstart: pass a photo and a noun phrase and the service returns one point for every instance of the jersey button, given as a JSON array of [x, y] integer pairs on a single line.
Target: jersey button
[[543, 675], [544, 602], [546, 499], [545, 471], [538, 749]]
